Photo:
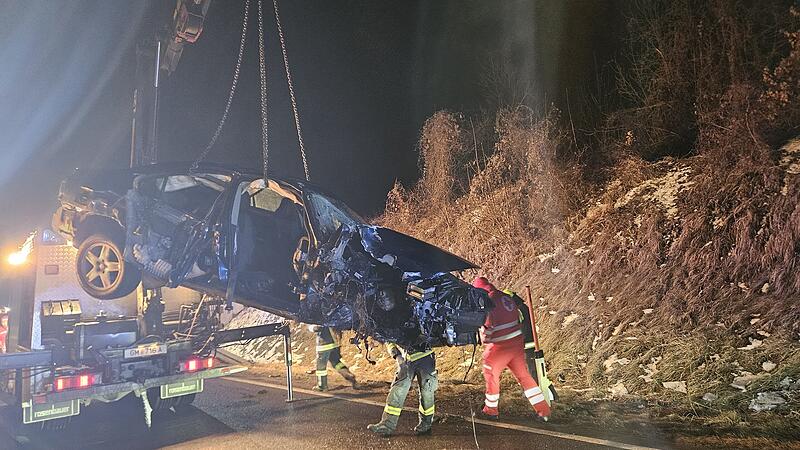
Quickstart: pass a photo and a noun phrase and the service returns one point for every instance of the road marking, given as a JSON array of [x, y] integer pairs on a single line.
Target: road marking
[[491, 423]]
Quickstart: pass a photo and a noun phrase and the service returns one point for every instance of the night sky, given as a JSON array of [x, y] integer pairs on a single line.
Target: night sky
[[367, 74]]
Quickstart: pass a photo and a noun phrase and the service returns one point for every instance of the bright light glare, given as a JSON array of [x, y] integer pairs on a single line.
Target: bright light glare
[[20, 256], [17, 258]]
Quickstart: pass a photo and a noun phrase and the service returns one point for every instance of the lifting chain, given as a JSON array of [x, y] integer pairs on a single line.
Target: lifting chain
[[232, 92], [262, 69], [262, 74], [291, 91]]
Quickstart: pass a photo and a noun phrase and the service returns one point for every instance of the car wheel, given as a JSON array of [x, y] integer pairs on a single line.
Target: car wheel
[[102, 270]]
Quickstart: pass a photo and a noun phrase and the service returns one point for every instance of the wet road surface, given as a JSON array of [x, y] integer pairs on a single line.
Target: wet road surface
[[235, 415]]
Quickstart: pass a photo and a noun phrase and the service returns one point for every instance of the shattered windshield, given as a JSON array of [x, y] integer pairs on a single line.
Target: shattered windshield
[[328, 214]]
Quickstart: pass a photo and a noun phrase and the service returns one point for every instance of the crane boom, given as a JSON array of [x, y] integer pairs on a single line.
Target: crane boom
[[158, 55]]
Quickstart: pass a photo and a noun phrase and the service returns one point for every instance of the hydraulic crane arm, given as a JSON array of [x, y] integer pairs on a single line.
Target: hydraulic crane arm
[[159, 54], [187, 25]]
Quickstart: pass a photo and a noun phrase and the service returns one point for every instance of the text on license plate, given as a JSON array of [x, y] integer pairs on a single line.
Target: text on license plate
[[146, 350]]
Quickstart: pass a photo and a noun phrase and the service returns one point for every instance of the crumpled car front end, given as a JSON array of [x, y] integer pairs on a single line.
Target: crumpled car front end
[[392, 287]]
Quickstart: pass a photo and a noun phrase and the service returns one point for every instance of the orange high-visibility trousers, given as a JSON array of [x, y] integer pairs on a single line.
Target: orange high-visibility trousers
[[511, 354]]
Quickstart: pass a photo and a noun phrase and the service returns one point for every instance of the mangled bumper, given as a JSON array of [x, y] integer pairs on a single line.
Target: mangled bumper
[[393, 287]]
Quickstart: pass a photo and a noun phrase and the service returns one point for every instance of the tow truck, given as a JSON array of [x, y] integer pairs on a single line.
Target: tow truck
[[66, 350]]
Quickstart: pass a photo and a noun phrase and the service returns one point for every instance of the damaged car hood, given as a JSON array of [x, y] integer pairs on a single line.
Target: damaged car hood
[[407, 253]]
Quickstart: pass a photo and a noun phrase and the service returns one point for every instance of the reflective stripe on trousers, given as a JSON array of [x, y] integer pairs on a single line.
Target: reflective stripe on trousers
[[424, 371], [492, 400]]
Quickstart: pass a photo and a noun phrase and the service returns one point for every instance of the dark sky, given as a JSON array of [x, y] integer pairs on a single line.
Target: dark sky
[[367, 74]]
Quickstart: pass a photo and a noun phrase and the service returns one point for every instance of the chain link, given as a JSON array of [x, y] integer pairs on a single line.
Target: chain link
[[232, 92], [262, 73], [291, 91]]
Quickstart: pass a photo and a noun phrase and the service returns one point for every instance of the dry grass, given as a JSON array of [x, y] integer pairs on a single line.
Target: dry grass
[[667, 267]]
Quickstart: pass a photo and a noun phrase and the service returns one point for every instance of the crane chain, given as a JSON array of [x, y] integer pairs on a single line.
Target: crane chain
[[262, 74], [291, 91], [231, 93]]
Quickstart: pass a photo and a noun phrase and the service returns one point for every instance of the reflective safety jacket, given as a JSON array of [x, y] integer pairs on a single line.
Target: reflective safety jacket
[[411, 355], [327, 340], [502, 324]]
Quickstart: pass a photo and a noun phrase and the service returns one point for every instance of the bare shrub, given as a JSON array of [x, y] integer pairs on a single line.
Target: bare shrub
[[695, 67], [443, 158], [679, 258]]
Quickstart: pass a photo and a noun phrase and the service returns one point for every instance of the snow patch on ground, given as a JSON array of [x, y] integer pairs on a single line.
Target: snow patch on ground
[[568, 320], [267, 349], [663, 190]]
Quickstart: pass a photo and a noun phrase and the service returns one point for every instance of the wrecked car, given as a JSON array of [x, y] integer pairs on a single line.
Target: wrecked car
[[283, 246]]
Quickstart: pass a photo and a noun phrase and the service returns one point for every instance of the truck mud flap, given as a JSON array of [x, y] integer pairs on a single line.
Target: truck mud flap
[[49, 411], [182, 388]]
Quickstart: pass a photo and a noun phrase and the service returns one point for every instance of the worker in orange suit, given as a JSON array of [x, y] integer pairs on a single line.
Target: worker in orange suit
[[504, 346]]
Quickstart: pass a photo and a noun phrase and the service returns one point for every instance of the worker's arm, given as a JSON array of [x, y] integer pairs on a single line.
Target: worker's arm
[[393, 350]]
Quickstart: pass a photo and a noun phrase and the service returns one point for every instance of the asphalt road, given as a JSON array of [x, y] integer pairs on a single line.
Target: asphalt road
[[235, 415]]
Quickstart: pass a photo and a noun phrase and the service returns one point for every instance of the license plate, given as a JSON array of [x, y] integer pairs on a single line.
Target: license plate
[[145, 350]]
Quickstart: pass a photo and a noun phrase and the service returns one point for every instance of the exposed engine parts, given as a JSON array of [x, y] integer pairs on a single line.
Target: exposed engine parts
[[351, 288]]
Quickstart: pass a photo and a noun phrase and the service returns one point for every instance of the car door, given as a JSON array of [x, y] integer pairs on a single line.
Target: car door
[[175, 229], [268, 228]]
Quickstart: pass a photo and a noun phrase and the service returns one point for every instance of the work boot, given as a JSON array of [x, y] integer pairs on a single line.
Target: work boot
[[382, 428], [322, 384], [424, 425], [347, 375]]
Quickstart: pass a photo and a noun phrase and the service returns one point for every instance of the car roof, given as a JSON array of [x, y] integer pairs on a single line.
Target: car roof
[[208, 167]]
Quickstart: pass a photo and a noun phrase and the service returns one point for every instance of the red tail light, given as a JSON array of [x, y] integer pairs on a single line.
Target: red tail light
[[195, 364], [84, 381], [81, 381]]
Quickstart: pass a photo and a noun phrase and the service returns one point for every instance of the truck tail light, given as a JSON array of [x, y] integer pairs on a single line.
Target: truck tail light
[[81, 381], [195, 364], [190, 365], [84, 381]]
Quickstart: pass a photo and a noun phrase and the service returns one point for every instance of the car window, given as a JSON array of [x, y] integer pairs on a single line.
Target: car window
[[328, 215], [179, 182], [191, 194]]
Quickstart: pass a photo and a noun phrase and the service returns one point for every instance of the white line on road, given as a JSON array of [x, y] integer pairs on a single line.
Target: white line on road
[[491, 423]]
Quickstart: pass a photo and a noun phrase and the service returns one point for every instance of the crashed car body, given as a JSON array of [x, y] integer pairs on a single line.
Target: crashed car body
[[282, 246]]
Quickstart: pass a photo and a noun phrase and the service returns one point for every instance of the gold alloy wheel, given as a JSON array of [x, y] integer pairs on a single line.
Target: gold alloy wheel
[[101, 267]]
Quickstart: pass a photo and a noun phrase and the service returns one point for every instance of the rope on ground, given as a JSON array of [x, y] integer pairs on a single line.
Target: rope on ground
[[471, 409]]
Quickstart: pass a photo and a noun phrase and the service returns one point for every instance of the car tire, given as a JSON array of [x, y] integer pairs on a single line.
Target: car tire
[[102, 270]]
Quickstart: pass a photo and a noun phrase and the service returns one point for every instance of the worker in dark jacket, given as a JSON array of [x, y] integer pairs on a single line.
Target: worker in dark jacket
[[328, 351], [417, 362]]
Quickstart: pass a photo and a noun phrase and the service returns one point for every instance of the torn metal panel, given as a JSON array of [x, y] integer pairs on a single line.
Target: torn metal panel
[[374, 294], [409, 254]]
